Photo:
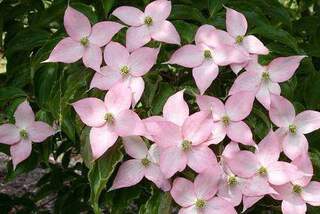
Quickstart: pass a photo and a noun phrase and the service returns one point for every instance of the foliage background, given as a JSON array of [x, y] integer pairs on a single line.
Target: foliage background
[[31, 28]]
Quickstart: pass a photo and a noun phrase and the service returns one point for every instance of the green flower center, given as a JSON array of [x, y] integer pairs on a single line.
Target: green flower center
[[297, 189], [84, 41], [186, 145], [148, 21], [207, 54], [225, 120], [145, 162], [109, 118], [124, 70], [265, 76], [200, 203], [262, 170], [23, 134], [293, 129], [239, 39], [232, 180]]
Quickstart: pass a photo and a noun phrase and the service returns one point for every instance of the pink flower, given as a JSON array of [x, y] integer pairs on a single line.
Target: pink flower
[[85, 41], [291, 127], [264, 80], [198, 197], [144, 164], [109, 119], [25, 131], [206, 55], [147, 25], [228, 118], [237, 25], [125, 67]]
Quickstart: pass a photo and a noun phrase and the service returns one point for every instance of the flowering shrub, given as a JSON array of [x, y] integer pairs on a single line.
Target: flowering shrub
[[229, 139]]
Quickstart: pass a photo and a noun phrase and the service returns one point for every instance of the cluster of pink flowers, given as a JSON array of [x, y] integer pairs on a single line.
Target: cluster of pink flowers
[[182, 139]]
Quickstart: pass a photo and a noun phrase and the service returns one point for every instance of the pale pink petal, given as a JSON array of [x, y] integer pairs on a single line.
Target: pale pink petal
[[257, 186], [227, 54], [158, 10], [137, 37], [116, 55], [263, 95], [281, 111], [247, 81], [254, 46], [92, 57], [307, 121], [254, 65], [201, 158], [311, 193], [39, 131], [294, 145], [295, 205], [218, 133], [208, 103], [137, 87], [231, 193], [9, 134], [183, 192], [205, 74], [101, 139], [268, 150], [20, 151], [172, 160], [129, 15], [284, 191], [154, 153], [142, 60], [274, 88], [165, 133], [189, 210], [279, 172], [24, 115], [154, 174], [102, 32], [76, 24], [189, 56], [304, 164], [219, 206], [128, 123], [118, 98], [165, 32], [206, 183], [67, 51], [282, 68], [135, 147], [106, 79], [244, 164], [176, 109], [217, 38], [249, 201], [130, 173], [231, 149], [203, 34], [237, 67], [91, 111], [151, 125], [239, 106], [197, 127], [240, 132], [236, 23]]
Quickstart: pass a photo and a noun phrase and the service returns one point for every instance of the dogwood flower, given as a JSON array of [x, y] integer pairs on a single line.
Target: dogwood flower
[[228, 118], [205, 57], [292, 127], [264, 80], [125, 67], [144, 164], [147, 25], [25, 131], [109, 119], [199, 197], [237, 26], [84, 41]]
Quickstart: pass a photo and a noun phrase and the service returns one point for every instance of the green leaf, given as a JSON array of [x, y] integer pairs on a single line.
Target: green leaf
[[186, 12], [85, 148], [186, 30], [100, 173], [10, 93], [312, 91], [214, 6], [159, 203], [86, 10], [164, 92]]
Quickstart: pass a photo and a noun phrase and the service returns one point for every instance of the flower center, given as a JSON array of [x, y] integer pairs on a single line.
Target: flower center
[[186, 145], [239, 39], [145, 162], [109, 118], [207, 54], [23, 134], [225, 120], [265, 76], [262, 170], [232, 180], [84, 41], [293, 129], [124, 70], [297, 189], [148, 21], [200, 203]]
